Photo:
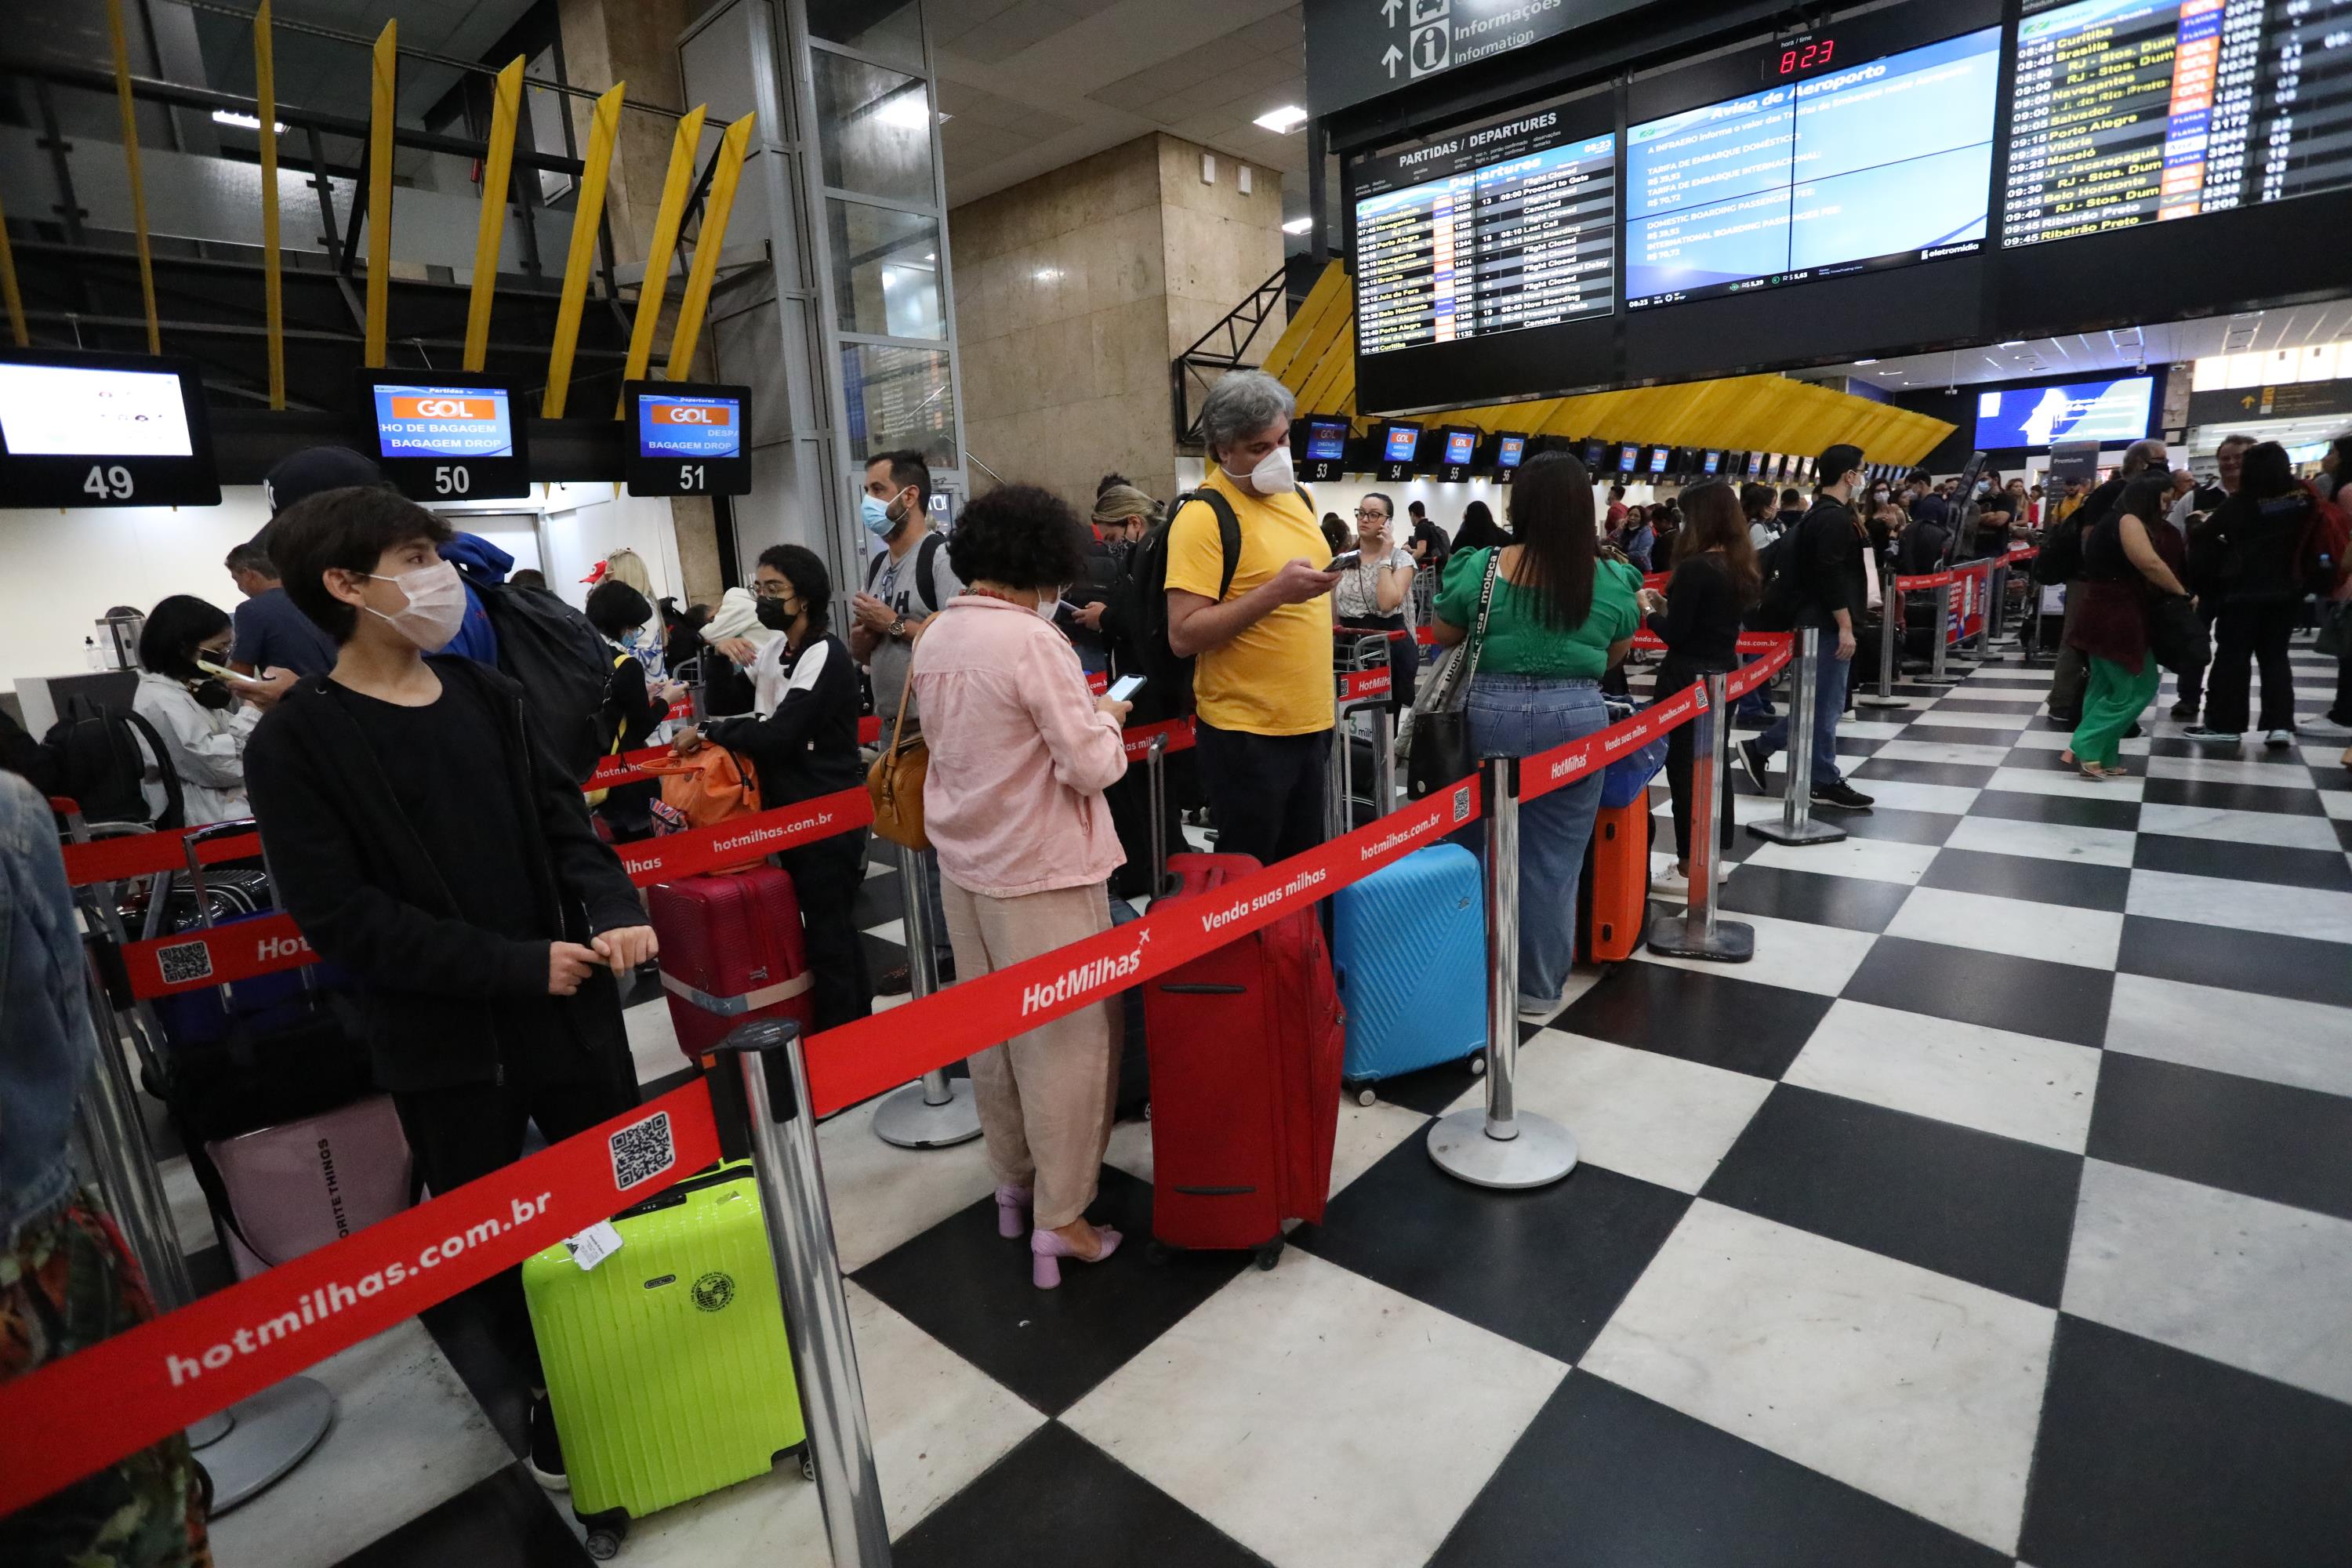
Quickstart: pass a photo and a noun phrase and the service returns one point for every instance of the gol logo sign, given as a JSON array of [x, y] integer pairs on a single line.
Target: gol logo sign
[[442, 409], [706, 414]]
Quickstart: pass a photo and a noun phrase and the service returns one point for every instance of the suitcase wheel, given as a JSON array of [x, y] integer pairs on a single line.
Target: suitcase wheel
[[1269, 1254], [1479, 1064], [605, 1532], [1367, 1095], [808, 1464]]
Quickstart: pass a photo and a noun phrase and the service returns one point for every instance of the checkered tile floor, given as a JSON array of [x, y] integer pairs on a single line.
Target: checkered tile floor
[[1999, 1212]]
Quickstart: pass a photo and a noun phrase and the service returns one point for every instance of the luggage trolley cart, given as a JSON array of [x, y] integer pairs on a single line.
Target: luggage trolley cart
[[1363, 750]]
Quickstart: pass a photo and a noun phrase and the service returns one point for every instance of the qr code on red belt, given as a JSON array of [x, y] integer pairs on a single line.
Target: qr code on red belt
[[184, 964], [642, 1150]]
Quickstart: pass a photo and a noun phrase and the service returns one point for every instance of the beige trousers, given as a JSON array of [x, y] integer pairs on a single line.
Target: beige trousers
[[1045, 1097]]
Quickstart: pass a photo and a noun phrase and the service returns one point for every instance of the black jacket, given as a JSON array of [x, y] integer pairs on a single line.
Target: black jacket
[[808, 746], [348, 866], [1825, 566], [2258, 557]]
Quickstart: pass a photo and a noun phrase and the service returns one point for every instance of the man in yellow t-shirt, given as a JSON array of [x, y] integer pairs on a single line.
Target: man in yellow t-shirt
[[1261, 644]]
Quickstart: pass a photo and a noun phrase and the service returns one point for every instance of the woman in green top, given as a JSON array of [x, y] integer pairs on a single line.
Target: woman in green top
[[1556, 625]]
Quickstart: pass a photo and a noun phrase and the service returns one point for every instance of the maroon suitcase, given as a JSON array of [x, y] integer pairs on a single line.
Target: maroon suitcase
[[1245, 1045], [731, 949]]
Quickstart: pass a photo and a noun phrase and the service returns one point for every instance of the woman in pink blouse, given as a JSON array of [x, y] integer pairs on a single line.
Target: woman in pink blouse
[[1020, 754]]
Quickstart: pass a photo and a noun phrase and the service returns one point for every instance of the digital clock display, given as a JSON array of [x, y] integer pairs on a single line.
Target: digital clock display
[[1800, 55]]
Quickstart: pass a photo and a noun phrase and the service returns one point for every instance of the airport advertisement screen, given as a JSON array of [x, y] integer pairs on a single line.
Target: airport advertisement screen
[[673, 426], [1879, 163], [2126, 112], [2078, 411], [453, 422], [76, 411]]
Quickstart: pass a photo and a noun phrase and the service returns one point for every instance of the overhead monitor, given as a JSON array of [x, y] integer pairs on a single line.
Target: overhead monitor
[[686, 438], [1461, 446], [1658, 459], [1510, 450], [446, 434], [1400, 451], [1326, 443], [2037, 417], [1596, 456], [1755, 464], [1627, 456], [99, 429], [1835, 163], [1714, 460]]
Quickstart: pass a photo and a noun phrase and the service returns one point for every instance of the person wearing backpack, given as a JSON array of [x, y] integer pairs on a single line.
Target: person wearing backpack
[[2061, 561], [2255, 588], [201, 723], [1249, 601], [633, 708], [425, 839], [907, 581]]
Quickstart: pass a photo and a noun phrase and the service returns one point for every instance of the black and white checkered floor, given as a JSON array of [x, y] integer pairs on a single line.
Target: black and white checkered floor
[[1999, 1212]]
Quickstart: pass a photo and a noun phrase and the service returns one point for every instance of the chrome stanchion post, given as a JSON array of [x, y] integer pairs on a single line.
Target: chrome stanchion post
[[1889, 635], [1696, 932], [1384, 778], [1500, 1145], [1797, 824], [939, 1112], [1942, 629], [808, 1277], [1336, 814]]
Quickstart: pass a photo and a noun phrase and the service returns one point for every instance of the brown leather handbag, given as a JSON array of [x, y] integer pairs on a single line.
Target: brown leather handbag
[[896, 780]]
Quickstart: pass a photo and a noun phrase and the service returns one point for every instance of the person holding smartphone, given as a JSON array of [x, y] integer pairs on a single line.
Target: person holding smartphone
[[1375, 591], [200, 710]]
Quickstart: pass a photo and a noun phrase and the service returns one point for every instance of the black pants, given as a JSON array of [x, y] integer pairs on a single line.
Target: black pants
[[457, 1134], [2069, 676], [825, 877], [2192, 682], [2245, 634], [1680, 742], [1267, 791]]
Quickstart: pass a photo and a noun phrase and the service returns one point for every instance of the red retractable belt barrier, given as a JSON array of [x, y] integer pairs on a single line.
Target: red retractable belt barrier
[[78, 1414], [1362, 685], [1573, 759]]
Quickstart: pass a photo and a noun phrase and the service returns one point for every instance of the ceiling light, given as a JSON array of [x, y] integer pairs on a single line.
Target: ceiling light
[[1047, 274], [2012, 343], [1299, 225], [247, 122], [905, 110], [1865, 362], [930, 256], [1288, 118]]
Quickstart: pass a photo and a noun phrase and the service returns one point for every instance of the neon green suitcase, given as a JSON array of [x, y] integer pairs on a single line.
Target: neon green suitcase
[[666, 1363]]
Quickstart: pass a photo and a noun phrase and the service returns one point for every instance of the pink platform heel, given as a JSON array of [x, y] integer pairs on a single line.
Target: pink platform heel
[[1046, 1251], [1011, 1211]]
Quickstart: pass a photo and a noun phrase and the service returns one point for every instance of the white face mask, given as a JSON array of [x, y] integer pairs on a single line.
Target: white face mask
[[1272, 475], [1047, 603], [435, 607]]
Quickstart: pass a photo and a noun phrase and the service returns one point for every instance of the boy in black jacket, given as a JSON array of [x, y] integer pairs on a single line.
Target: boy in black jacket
[[424, 840], [1827, 590]]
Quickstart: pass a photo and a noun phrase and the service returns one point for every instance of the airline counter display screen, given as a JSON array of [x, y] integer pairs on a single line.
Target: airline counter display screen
[[1491, 229], [674, 427], [1871, 164], [102, 429], [2126, 112], [689, 438], [430, 421]]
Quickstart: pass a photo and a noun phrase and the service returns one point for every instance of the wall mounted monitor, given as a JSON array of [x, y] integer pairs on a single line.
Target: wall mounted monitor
[[1461, 446], [1400, 451], [1834, 162], [1657, 464], [1712, 461], [1510, 450], [1627, 456], [1596, 455], [2037, 417], [1324, 442], [1755, 464], [98, 429], [1494, 229], [446, 435], [685, 438]]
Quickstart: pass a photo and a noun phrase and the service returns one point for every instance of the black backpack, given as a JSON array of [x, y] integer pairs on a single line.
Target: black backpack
[[1171, 677], [2061, 556], [555, 654], [924, 586], [92, 757], [1775, 608]]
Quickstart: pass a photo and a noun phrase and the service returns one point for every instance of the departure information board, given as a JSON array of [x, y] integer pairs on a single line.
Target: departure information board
[[2127, 112], [1872, 162], [1492, 229]]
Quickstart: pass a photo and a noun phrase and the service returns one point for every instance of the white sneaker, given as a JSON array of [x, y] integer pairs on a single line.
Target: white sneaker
[[1537, 1009], [1670, 883], [2321, 724], [2279, 740]]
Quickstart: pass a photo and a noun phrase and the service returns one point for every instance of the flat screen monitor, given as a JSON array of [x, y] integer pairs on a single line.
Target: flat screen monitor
[[97, 429], [1510, 451], [2038, 417], [446, 435], [1831, 166], [1627, 457], [1713, 461], [1326, 440], [1658, 459], [1596, 456], [1461, 446], [688, 438], [1755, 464]]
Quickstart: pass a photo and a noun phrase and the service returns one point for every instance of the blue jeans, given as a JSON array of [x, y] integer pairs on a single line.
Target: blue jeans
[[1828, 702], [1517, 716], [1756, 704]]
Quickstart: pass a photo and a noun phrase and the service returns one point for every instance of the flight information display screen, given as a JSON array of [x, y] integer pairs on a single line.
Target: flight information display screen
[[1865, 164], [2127, 112], [1494, 227]]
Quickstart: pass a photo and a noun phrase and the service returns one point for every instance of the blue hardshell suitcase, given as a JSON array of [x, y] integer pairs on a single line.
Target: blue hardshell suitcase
[[1410, 943]]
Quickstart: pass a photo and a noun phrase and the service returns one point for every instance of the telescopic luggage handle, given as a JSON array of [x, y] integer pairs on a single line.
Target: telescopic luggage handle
[[192, 844]]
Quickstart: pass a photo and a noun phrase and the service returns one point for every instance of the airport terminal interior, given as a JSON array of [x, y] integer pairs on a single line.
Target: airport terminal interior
[[1949, 1163]]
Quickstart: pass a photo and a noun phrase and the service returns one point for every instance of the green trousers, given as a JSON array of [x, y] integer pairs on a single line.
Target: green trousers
[[2113, 704]]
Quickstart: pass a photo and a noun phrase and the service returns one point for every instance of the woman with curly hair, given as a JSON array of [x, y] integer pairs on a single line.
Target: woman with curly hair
[[1020, 755]]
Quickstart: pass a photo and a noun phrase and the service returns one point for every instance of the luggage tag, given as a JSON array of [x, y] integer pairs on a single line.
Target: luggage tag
[[594, 1245]]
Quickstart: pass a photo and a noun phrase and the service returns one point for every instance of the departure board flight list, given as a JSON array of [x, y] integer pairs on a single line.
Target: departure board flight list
[[1493, 228], [2127, 112]]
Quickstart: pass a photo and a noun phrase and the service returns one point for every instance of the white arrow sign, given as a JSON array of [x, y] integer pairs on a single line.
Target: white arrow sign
[[1390, 11], [1391, 60]]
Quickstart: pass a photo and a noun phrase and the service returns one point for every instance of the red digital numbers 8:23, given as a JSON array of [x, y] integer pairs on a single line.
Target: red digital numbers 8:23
[[1795, 59]]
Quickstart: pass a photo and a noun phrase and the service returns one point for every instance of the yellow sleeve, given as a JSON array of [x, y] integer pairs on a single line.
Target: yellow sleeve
[[1196, 562]]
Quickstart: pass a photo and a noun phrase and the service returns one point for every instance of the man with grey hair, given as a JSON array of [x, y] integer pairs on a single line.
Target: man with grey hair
[[1250, 603], [2071, 676]]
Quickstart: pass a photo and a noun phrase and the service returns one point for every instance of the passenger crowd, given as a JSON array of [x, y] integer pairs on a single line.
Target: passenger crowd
[[369, 701]]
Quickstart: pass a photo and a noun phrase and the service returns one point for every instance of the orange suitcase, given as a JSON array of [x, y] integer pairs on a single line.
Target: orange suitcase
[[1613, 897]]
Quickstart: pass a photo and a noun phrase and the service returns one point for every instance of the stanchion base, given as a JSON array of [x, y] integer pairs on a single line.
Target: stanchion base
[[1679, 936], [1884, 704], [905, 1121], [269, 1435], [1807, 832], [1542, 1154]]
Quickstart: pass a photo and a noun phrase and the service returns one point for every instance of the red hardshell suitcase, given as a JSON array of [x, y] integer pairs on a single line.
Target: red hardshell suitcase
[[1246, 1046], [731, 949], [1612, 898]]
